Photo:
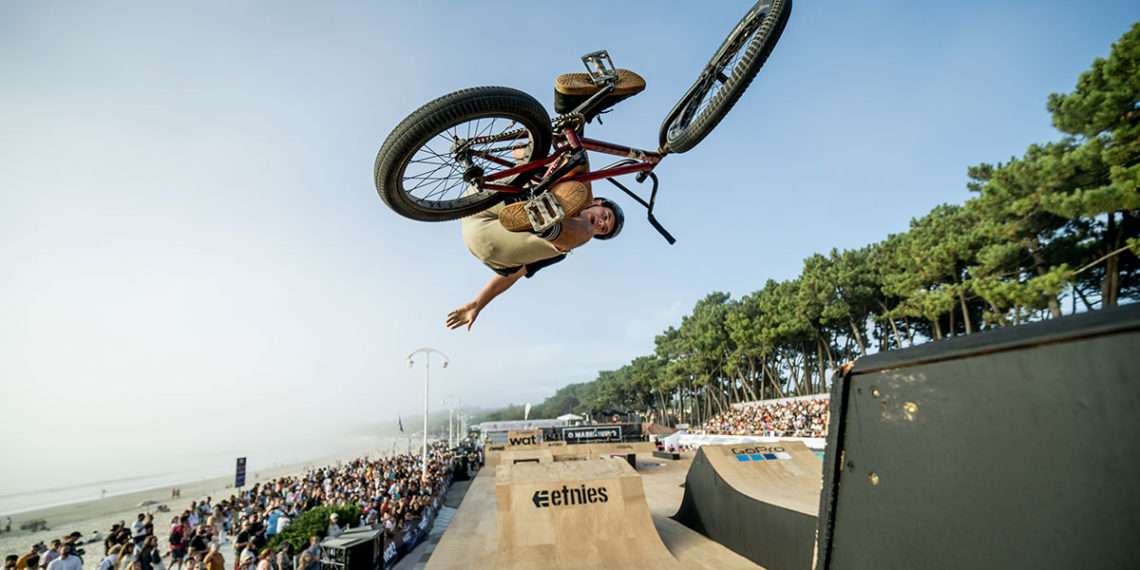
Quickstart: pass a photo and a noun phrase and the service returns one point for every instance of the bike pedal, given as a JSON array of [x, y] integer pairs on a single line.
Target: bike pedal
[[543, 211], [600, 67]]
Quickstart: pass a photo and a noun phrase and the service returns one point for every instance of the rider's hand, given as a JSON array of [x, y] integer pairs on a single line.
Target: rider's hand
[[464, 315]]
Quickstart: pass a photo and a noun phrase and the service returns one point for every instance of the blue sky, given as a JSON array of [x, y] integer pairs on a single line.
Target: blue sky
[[188, 223]]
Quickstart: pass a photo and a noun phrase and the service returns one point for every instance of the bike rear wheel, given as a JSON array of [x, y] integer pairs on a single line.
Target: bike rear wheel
[[726, 77], [421, 167]]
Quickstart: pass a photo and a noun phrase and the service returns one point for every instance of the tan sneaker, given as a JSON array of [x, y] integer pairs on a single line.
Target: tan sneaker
[[572, 196]]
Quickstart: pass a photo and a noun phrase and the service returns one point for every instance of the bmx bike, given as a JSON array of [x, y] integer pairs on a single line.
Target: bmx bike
[[469, 150]]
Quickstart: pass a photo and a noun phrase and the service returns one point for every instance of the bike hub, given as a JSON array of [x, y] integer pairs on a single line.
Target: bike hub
[[473, 174]]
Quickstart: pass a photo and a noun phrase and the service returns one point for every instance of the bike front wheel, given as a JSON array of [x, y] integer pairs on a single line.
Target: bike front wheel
[[726, 77], [424, 168]]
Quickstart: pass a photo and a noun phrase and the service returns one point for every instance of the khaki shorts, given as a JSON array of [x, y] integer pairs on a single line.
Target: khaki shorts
[[498, 248]]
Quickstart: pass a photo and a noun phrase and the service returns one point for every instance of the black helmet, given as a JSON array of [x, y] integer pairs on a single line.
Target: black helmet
[[619, 217]]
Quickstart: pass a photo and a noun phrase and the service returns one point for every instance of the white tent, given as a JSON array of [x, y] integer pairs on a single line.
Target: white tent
[[570, 418]]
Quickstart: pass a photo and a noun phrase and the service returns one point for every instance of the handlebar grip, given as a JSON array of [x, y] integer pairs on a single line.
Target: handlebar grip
[[661, 229]]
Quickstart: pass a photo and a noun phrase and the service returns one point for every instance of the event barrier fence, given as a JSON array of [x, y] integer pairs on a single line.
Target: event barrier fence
[[397, 546]]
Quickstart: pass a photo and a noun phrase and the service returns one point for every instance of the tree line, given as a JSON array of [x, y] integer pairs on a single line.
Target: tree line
[[1054, 231]]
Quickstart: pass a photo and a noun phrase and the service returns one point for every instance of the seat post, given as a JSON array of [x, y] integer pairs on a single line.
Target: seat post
[[586, 106]]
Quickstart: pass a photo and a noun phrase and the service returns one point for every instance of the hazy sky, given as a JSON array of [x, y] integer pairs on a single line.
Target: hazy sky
[[193, 251]]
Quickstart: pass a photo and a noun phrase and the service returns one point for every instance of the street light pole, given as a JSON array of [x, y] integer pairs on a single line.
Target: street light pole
[[452, 419], [427, 352]]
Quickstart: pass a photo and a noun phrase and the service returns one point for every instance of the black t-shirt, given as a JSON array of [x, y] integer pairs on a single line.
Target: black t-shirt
[[242, 537], [531, 268], [199, 543], [148, 560]]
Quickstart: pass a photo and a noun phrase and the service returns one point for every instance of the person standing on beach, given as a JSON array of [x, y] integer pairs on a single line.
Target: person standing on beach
[[149, 557], [177, 541], [52, 553], [110, 541], [193, 514], [112, 558], [283, 522], [311, 556], [241, 541], [122, 535], [138, 530], [265, 560], [271, 521], [214, 527], [214, 559], [67, 560], [334, 528], [257, 540], [126, 557], [199, 544], [29, 561], [284, 559], [248, 559]]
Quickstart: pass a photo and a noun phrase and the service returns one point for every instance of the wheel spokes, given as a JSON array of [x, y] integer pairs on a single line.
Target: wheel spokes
[[434, 176], [720, 73]]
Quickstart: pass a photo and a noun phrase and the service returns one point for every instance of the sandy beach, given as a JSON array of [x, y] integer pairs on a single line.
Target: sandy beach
[[97, 516]]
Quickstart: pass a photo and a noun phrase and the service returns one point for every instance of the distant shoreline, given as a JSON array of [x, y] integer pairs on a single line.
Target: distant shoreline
[[98, 515], [43, 511]]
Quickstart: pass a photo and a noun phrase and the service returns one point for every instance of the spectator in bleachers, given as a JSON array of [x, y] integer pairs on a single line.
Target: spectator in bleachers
[[794, 418]]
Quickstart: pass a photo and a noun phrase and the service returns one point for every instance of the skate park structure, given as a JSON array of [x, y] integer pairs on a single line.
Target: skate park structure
[[732, 491], [508, 518], [989, 451]]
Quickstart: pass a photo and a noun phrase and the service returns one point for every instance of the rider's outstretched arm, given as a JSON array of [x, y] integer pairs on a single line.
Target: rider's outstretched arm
[[466, 314]]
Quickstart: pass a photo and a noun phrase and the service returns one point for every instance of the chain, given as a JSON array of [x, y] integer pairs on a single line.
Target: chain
[[574, 120], [509, 135]]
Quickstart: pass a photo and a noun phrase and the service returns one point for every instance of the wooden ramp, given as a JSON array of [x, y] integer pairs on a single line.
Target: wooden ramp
[[575, 514], [759, 499], [647, 537]]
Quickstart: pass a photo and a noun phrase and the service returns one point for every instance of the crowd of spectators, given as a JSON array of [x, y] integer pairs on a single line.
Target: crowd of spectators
[[390, 492], [788, 418]]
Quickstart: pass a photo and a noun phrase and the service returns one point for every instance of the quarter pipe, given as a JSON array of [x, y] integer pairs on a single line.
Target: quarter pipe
[[760, 500]]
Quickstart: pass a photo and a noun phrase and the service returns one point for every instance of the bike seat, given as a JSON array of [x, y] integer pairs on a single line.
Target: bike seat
[[571, 89]]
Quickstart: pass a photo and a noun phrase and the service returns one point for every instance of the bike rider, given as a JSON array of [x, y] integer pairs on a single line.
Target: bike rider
[[502, 239], [423, 192]]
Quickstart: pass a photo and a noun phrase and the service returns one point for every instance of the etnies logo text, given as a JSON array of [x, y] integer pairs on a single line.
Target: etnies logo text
[[569, 496]]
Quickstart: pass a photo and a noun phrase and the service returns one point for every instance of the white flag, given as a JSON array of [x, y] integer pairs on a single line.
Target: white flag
[[526, 411]]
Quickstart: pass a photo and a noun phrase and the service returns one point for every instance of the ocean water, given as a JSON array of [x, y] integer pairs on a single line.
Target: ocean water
[[38, 498], [93, 478]]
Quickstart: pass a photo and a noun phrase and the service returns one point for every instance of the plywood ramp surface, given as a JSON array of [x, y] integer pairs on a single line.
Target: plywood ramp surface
[[470, 540], [758, 499], [575, 514], [648, 537], [694, 550], [791, 476]]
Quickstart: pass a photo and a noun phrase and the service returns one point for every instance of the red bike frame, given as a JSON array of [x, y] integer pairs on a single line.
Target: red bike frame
[[646, 161]]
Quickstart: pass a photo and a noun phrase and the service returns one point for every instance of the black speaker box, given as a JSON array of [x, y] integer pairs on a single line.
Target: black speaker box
[[356, 549]]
